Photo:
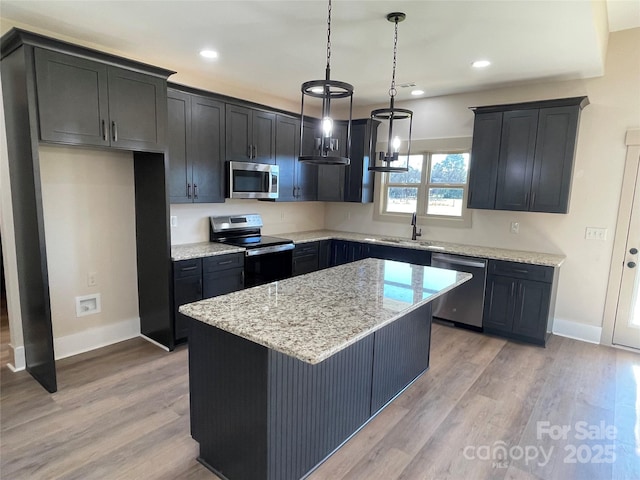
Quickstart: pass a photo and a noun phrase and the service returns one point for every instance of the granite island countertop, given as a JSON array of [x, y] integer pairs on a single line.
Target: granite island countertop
[[311, 317]]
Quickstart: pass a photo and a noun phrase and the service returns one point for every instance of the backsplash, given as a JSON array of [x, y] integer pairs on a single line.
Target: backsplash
[[193, 219]]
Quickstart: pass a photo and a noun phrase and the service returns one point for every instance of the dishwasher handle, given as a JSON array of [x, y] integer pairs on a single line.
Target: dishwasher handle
[[458, 261]]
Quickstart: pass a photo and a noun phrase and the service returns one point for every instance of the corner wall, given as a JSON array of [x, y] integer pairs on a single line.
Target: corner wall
[[600, 157]]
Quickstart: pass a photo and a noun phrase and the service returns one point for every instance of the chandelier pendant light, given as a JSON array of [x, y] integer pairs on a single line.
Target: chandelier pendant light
[[324, 148], [397, 120]]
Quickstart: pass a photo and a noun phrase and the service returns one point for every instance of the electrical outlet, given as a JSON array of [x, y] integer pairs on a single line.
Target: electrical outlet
[[92, 279], [594, 233], [173, 221], [515, 227]]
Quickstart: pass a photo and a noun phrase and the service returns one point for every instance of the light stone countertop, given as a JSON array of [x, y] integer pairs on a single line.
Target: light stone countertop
[[535, 258], [203, 249], [206, 249], [311, 317]]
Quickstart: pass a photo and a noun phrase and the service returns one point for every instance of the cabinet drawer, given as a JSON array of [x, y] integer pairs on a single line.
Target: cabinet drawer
[[222, 262], [521, 270], [187, 268], [303, 249], [223, 282]]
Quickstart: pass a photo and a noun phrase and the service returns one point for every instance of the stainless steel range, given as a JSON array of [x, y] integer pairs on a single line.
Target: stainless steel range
[[266, 258]]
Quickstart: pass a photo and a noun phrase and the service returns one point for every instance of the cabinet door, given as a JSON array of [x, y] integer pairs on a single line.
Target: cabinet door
[[185, 290], [221, 283], [553, 164], [137, 110], [264, 137], [178, 135], [483, 167], [515, 166], [207, 137], [73, 103], [238, 134], [499, 303], [287, 140], [532, 309], [359, 180], [331, 183], [306, 174], [339, 252]]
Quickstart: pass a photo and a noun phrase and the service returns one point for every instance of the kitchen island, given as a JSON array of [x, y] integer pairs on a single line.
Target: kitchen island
[[282, 374]]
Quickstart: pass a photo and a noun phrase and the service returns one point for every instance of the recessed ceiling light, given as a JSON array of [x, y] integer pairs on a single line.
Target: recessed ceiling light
[[481, 63], [417, 92], [208, 53]]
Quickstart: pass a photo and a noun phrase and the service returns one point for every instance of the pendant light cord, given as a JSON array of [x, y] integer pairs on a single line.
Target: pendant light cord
[[329, 36], [392, 90]]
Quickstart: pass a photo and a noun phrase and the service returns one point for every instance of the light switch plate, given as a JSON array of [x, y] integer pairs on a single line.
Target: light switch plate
[[173, 221], [595, 233], [515, 227]]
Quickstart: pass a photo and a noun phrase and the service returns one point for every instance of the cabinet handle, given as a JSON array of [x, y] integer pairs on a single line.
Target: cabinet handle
[[520, 270], [114, 130], [200, 287], [104, 130], [533, 199], [226, 262], [250, 151], [187, 269], [195, 191], [513, 287], [526, 199], [255, 152], [188, 190]]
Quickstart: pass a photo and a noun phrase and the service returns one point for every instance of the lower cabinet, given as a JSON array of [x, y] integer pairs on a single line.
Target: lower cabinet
[[519, 300], [201, 278], [305, 258], [344, 251]]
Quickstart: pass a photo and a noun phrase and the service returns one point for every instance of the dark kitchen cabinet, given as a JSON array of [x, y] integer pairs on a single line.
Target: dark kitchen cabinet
[[298, 181], [86, 102], [196, 132], [344, 251], [306, 258], [250, 135], [187, 288], [354, 182], [400, 254], [200, 278], [519, 300], [522, 155]]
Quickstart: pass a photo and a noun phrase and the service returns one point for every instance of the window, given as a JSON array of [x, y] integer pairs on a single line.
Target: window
[[434, 187]]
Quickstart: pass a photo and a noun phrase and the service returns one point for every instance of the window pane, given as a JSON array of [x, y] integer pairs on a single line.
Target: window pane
[[414, 175], [445, 201], [402, 199], [449, 167]]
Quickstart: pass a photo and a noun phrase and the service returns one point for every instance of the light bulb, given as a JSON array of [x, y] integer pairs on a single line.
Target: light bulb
[[327, 126], [395, 143]]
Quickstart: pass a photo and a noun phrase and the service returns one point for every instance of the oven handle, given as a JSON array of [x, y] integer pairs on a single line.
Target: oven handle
[[271, 249]]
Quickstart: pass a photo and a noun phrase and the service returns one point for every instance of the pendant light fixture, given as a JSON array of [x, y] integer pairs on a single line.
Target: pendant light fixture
[[323, 147], [397, 120]]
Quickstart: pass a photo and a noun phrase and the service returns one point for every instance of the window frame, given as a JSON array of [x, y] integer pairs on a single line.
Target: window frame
[[464, 220]]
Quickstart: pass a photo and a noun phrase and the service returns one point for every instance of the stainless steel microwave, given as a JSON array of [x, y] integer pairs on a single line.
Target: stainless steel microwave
[[252, 180]]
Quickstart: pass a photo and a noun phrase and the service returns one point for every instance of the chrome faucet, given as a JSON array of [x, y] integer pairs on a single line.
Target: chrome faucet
[[415, 234]]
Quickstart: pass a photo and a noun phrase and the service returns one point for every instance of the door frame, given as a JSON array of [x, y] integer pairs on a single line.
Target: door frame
[[632, 163]]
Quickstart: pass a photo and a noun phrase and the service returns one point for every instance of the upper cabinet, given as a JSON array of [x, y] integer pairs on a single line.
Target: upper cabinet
[[87, 102], [196, 132], [251, 135], [522, 155], [354, 182], [298, 181]]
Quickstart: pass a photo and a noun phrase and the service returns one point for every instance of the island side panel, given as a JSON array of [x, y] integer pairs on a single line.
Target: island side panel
[[313, 409], [401, 354], [228, 400]]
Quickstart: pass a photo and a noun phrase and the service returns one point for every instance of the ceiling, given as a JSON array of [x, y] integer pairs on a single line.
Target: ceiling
[[272, 46]]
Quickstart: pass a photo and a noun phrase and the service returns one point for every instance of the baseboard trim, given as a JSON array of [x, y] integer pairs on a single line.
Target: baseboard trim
[[577, 331], [19, 363], [97, 337], [150, 340]]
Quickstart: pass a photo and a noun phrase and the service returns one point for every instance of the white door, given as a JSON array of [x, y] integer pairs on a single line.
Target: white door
[[626, 330]]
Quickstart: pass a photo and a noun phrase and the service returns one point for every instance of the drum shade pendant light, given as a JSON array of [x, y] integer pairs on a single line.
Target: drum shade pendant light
[[397, 120], [320, 145]]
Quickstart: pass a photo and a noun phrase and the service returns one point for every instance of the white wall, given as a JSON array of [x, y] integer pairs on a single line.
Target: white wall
[[600, 156], [278, 217], [89, 218]]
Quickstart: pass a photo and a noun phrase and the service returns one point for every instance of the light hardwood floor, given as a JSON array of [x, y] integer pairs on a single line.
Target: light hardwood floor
[[122, 412]]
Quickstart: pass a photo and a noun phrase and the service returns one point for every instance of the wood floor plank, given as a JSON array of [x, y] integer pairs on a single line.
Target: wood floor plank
[[122, 412]]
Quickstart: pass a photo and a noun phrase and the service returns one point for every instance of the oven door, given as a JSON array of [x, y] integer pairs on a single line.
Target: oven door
[[267, 267], [252, 180]]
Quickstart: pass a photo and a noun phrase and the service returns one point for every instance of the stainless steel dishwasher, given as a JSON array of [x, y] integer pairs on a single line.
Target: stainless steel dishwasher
[[464, 304]]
